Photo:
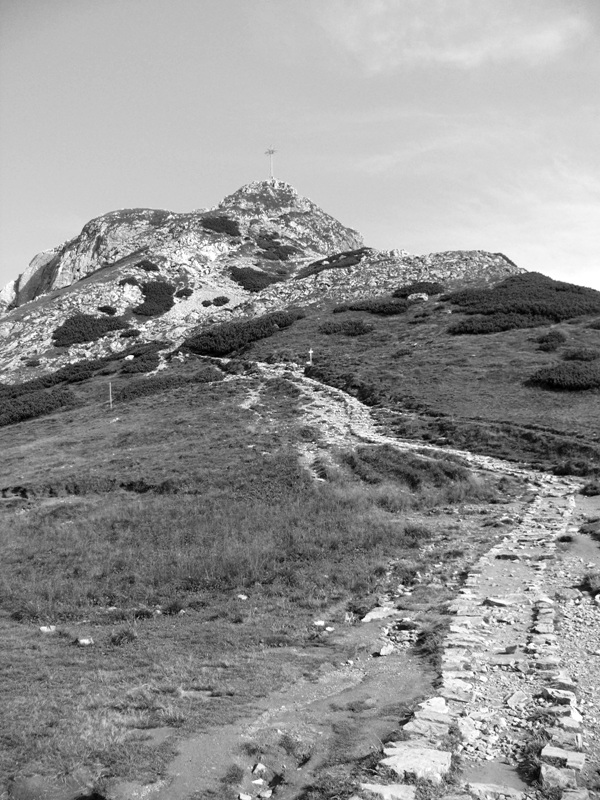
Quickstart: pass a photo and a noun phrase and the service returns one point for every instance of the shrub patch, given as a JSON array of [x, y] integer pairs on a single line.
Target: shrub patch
[[419, 287], [384, 306], [522, 301], [551, 341], [221, 224], [347, 258], [231, 336], [158, 298], [82, 328], [572, 377], [581, 354], [251, 279]]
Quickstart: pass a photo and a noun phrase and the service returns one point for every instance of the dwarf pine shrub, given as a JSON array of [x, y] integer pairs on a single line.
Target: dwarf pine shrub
[[496, 323], [571, 377], [522, 301], [187, 292], [581, 354], [231, 336], [34, 404], [82, 328], [158, 298], [347, 258], [384, 306], [221, 300], [108, 310], [551, 341], [419, 287], [251, 279], [221, 224]]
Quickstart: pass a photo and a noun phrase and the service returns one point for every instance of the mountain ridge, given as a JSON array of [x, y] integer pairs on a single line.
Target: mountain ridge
[[264, 231]]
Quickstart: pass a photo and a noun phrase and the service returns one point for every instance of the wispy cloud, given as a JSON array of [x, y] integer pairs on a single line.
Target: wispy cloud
[[386, 34]]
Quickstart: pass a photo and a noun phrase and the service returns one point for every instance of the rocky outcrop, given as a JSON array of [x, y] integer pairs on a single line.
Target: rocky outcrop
[[276, 231], [177, 239], [381, 272], [277, 206]]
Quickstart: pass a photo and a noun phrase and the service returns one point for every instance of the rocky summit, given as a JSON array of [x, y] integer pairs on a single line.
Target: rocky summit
[[262, 248]]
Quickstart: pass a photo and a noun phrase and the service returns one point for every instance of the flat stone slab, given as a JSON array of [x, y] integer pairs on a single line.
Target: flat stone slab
[[427, 728], [393, 791], [455, 689], [576, 794], [433, 716], [420, 762], [562, 738], [566, 758]]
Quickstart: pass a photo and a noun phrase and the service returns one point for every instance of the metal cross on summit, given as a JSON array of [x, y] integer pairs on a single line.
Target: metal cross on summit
[[270, 152]]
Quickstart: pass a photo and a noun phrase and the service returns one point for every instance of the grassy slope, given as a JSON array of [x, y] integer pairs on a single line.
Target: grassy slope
[[238, 516], [412, 361], [243, 518]]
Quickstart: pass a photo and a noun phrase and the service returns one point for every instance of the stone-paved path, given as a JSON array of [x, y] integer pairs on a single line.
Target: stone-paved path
[[521, 661]]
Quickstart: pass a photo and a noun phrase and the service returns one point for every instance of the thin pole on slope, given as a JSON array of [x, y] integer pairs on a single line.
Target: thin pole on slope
[[270, 152], [110, 395]]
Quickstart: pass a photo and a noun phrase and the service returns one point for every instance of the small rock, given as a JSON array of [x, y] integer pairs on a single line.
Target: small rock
[[497, 602], [48, 629], [517, 700], [87, 642], [385, 650]]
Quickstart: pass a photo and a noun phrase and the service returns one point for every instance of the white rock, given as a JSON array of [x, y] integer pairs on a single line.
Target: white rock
[[381, 612]]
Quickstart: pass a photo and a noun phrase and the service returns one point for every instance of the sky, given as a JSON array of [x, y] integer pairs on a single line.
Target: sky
[[427, 125]]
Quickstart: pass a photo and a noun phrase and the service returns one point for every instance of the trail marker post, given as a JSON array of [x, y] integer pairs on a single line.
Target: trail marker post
[[110, 395], [310, 355], [270, 152]]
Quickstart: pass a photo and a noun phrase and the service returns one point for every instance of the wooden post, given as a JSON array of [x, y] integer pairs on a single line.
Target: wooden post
[[310, 355], [110, 395]]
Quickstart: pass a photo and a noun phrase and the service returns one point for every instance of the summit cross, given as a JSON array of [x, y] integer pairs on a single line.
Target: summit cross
[[270, 152]]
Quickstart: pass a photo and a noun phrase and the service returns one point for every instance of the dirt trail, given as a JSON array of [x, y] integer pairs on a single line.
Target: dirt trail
[[521, 659]]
